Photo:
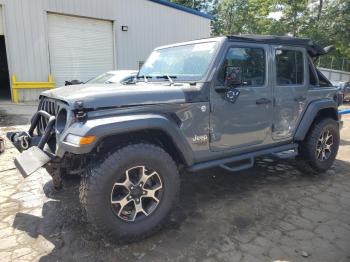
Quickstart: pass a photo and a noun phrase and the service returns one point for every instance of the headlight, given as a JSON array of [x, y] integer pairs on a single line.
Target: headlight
[[79, 140], [61, 120]]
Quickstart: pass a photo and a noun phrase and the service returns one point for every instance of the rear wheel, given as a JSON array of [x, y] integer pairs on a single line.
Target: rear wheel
[[130, 194], [320, 147]]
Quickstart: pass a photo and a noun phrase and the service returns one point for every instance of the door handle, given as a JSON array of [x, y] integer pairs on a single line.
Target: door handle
[[263, 101], [300, 98]]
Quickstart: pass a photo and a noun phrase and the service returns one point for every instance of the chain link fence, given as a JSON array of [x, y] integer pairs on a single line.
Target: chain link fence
[[335, 63]]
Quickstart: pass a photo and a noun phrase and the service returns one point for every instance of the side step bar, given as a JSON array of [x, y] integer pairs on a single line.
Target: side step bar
[[239, 167], [291, 149], [286, 154]]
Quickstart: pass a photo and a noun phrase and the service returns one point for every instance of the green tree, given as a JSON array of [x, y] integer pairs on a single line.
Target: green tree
[[325, 21], [200, 5], [294, 13], [243, 16], [328, 24]]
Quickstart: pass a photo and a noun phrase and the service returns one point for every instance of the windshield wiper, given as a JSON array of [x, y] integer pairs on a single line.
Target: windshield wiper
[[170, 78], [144, 77]]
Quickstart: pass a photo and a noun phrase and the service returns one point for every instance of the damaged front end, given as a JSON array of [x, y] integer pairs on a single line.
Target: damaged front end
[[33, 155], [50, 142], [38, 145]]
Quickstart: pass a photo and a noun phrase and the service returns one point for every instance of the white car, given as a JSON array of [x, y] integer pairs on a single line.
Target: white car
[[114, 77]]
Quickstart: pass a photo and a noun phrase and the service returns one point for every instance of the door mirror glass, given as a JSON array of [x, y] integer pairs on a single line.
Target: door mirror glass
[[233, 76]]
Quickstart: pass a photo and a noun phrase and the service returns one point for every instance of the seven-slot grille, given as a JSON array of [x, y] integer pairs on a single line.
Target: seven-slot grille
[[51, 107]]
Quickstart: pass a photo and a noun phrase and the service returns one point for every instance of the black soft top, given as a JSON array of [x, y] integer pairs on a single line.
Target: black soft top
[[312, 48]]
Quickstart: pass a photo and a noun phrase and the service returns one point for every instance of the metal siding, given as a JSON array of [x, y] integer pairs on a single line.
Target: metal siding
[[150, 25], [1, 21]]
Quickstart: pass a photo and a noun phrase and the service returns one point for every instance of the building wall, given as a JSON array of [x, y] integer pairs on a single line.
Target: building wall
[[150, 25]]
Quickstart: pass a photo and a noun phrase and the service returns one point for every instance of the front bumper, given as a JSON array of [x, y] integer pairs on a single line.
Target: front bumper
[[33, 156]]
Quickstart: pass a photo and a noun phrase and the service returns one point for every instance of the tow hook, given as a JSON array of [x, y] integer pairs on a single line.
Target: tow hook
[[21, 140]]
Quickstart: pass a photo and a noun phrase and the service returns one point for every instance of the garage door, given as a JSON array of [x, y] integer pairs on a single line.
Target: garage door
[[80, 48]]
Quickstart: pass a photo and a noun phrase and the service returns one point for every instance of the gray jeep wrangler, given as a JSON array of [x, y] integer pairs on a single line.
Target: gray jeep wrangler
[[195, 105]]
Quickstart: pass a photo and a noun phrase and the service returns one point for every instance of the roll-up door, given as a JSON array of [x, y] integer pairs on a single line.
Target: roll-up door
[[80, 48]]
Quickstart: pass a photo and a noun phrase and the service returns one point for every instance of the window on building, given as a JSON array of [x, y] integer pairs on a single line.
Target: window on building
[[245, 66], [289, 67]]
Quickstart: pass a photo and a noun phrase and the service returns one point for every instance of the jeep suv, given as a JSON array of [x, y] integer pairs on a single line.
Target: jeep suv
[[195, 105]]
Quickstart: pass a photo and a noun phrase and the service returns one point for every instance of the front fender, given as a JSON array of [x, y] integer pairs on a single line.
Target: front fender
[[107, 126], [310, 114]]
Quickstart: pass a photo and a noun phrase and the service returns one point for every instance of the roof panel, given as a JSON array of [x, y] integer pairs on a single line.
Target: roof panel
[[312, 48]]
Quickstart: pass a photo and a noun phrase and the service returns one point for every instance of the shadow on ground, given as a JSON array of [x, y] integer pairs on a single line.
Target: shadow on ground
[[7, 120], [214, 205]]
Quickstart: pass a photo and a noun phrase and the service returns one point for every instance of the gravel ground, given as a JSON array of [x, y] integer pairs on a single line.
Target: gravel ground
[[271, 212]]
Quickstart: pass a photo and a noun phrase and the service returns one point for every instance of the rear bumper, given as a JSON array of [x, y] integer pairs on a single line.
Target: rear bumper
[[33, 156]]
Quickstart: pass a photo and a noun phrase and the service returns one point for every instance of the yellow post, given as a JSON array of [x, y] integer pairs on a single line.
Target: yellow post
[[29, 85], [14, 90]]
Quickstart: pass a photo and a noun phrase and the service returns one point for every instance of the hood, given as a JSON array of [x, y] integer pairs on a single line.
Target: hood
[[117, 95]]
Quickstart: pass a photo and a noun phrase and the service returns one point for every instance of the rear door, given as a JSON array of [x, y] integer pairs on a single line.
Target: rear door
[[290, 90]]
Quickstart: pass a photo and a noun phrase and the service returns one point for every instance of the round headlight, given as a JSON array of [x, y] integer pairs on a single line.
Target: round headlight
[[61, 120]]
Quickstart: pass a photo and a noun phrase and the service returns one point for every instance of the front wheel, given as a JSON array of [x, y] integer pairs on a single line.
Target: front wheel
[[321, 145], [130, 194]]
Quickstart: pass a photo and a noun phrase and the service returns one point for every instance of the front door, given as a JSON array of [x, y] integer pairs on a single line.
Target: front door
[[290, 90], [241, 99]]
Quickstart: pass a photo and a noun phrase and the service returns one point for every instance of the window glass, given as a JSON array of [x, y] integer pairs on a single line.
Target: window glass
[[290, 67], [312, 76], [186, 62], [243, 66], [323, 81]]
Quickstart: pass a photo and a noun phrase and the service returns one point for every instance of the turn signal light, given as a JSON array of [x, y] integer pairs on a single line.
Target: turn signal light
[[86, 140], [80, 140]]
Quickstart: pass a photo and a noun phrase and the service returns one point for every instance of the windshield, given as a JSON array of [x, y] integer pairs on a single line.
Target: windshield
[[187, 62]]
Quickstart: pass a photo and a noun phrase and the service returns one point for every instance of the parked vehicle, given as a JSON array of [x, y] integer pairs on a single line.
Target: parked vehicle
[[195, 105], [73, 82], [114, 77], [346, 91], [110, 77], [343, 88]]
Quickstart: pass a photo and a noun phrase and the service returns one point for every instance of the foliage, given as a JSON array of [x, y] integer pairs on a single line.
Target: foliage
[[325, 21], [199, 5]]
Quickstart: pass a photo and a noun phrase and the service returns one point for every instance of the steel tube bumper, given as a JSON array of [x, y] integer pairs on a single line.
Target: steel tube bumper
[[33, 156]]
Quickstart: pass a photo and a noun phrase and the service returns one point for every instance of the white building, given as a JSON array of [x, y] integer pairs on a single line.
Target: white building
[[79, 39]]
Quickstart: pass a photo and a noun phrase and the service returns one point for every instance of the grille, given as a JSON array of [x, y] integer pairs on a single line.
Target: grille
[[51, 107]]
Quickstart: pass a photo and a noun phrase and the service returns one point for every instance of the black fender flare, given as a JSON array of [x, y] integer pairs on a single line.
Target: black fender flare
[[310, 115], [110, 126]]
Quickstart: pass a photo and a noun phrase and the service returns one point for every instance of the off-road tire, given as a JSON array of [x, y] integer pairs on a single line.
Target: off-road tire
[[96, 186], [307, 159]]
